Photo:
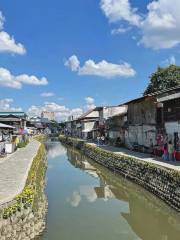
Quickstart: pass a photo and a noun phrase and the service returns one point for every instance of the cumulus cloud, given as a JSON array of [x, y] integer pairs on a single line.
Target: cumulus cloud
[[73, 63], [9, 80], [170, 61], [2, 20], [159, 27], [7, 42], [47, 94], [90, 103], [61, 112], [85, 191], [119, 30], [117, 10], [6, 105], [103, 69]]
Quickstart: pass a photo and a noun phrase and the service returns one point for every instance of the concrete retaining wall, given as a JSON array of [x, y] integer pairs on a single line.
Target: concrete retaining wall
[[162, 182], [23, 218]]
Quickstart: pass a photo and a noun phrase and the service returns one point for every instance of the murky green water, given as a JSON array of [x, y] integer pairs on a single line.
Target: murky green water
[[88, 202]]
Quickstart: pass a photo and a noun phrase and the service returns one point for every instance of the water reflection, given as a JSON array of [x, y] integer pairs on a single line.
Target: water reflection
[[148, 216], [87, 201], [55, 150]]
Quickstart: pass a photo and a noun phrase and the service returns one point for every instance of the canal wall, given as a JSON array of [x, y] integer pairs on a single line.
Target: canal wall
[[22, 217], [161, 181]]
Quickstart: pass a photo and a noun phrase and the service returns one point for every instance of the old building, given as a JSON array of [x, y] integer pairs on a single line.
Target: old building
[[169, 114], [116, 126], [49, 115], [141, 121], [105, 113], [15, 119], [87, 123]]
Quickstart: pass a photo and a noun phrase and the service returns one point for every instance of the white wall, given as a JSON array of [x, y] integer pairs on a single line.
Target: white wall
[[93, 114], [112, 111], [88, 125], [141, 135], [171, 128]]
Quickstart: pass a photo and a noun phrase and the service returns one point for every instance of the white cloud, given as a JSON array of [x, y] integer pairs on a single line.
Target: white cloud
[[104, 69], [2, 20], [86, 191], [90, 103], [61, 112], [159, 27], [47, 94], [73, 63], [169, 61], [5, 105], [7, 43], [56, 151], [118, 10], [75, 199], [119, 30], [9, 80]]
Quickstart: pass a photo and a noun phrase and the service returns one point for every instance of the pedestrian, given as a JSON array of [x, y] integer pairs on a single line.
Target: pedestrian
[[165, 152], [170, 150], [174, 155], [151, 147], [102, 139], [98, 140]]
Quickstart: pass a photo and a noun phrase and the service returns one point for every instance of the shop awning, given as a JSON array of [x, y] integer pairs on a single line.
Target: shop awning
[[2, 125], [86, 130]]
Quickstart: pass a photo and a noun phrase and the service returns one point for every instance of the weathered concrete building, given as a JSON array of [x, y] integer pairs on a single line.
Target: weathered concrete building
[[104, 114], [15, 119], [141, 121], [116, 126], [87, 123], [170, 114]]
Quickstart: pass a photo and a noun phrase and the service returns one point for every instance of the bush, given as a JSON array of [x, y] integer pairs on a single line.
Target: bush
[[22, 144]]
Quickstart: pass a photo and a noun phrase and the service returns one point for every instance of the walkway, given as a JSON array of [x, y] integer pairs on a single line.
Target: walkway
[[14, 170], [142, 156]]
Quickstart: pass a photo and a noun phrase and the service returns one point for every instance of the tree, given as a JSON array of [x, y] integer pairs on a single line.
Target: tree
[[163, 78]]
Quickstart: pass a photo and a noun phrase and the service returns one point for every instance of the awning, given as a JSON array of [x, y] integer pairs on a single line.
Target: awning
[[86, 130], [2, 125]]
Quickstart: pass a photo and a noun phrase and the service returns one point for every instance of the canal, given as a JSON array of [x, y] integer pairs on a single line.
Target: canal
[[87, 201]]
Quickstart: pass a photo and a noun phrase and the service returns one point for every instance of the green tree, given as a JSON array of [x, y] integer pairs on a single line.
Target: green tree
[[163, 78]]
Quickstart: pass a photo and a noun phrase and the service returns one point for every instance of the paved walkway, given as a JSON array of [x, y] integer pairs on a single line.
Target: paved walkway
[[14, 170], [142, 156]]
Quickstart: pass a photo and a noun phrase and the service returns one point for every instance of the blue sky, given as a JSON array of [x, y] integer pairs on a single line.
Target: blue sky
[[132, 37]]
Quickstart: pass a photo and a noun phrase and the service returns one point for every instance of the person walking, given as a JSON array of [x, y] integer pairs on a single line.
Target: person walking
[[170, 151], [102, 139], [165, 152], [98, 140]]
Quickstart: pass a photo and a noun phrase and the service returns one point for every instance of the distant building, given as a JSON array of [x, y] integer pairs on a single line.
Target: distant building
[[49, 115], [15, 119]]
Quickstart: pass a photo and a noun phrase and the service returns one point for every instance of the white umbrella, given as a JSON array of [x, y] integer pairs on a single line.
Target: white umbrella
[[2, 125]]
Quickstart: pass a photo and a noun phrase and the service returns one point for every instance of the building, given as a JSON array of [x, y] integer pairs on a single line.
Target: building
[[87, 123], [141, 123], [107, 113], [49, 115], [169, 115], [15, 119], [116, 127], [153, 120]]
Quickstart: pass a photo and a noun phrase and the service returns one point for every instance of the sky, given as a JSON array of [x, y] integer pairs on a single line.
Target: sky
[[70, 56]]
